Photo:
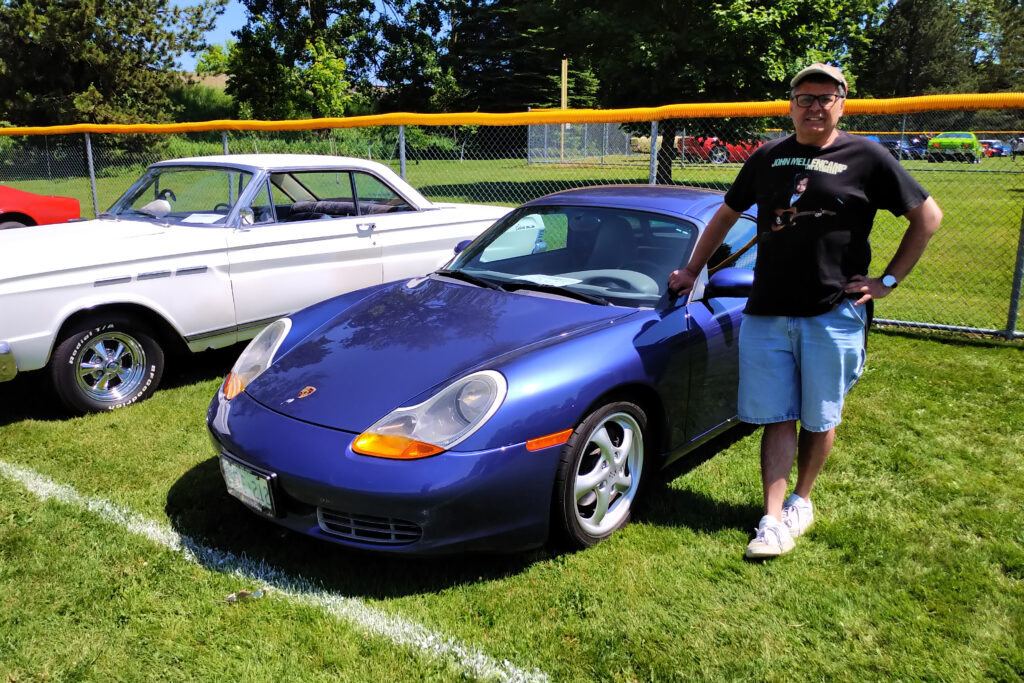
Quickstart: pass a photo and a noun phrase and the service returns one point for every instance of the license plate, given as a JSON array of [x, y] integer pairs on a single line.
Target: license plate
[[248, 486]]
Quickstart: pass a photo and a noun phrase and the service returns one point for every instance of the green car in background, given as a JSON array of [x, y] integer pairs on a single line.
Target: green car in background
[[955, 147]]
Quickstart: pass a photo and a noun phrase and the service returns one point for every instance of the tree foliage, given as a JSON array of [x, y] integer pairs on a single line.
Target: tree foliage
[[103, 62]]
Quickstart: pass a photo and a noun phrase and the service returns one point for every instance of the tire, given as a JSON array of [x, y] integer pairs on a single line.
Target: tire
[[7, 225], [106, 363], [599, 474], [718, 154]]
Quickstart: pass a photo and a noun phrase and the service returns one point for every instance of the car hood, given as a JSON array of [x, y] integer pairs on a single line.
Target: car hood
[[396, 346], [48, 249]]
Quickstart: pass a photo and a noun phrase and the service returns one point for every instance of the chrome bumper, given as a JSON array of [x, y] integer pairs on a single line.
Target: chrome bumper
[[8, 368]]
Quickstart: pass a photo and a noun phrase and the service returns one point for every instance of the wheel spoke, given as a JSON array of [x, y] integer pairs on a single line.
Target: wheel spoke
[[590, 481], [604, 442], [621, 453], [98, 348], [603, 498]]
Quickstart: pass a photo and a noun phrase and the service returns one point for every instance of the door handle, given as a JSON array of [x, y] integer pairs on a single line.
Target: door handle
[[365, 228]]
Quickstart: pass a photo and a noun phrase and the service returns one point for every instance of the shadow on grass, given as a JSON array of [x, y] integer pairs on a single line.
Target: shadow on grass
[[30, 395], [678, 507], [949, 338], [200, 508]]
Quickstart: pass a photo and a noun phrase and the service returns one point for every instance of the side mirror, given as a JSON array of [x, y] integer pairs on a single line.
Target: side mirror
[[246, 217], [730, 282], [462, 245]]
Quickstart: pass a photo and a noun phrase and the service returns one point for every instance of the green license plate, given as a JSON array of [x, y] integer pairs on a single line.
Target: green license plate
[[248, 486]]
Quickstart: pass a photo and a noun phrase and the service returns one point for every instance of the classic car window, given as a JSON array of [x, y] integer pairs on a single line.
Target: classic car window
[[185, 195], [262, 208], [377, 197], [736, 242], [621, 255]]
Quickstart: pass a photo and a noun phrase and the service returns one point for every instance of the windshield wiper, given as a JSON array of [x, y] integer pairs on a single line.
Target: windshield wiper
[[467, 277], [555, 289]]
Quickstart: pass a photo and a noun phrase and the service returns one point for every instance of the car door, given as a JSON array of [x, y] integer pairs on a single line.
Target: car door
[[700, 345], [412, 241], [283, 261]]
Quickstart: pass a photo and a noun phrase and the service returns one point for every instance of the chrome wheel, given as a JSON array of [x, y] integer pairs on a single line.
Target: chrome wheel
[[111, 367], [106, 363], [718, 155]]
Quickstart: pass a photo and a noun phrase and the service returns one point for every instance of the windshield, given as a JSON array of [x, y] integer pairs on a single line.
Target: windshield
[[619, 255], [183, 195]]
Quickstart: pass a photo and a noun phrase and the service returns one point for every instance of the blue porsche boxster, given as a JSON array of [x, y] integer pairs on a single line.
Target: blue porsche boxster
[[521, 393]]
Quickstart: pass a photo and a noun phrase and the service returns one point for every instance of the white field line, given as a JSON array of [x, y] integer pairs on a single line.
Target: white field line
[[362, 616]]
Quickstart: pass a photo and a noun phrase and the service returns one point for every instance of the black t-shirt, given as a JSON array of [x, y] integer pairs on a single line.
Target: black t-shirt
[[815, 208]]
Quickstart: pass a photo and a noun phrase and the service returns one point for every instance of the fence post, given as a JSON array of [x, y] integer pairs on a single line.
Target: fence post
[[604, 144], [224, 141], [1018, 277], [401, 151], [653, 179], [92, 176]]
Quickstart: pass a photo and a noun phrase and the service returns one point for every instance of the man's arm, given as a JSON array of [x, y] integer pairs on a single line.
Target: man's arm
[[924, 221], [681, 281]]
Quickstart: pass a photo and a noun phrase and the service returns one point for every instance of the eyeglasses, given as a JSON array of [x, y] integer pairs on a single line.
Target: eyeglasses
[[825, 101]]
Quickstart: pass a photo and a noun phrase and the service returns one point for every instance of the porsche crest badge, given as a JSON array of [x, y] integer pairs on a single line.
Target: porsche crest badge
[[306, 391]]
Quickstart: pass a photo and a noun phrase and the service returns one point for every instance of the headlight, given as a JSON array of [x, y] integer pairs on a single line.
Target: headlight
[[256, 358], [439, 423]]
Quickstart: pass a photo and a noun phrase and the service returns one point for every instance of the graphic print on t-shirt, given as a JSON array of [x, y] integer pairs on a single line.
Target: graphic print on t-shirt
[[800, 204]]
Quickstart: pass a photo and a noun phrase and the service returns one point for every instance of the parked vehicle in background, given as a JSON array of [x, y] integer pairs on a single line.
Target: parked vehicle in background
[[715, 150], [905, 149], [996, 148], [19, 209], [956, 146], [518, 392], [204, 252]]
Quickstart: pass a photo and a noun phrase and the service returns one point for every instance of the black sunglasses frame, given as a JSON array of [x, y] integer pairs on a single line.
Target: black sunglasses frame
[[825, 101]]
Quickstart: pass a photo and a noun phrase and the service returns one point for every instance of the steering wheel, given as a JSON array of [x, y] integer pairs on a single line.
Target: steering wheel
[[165, 193], [219, 205], [612, 282]]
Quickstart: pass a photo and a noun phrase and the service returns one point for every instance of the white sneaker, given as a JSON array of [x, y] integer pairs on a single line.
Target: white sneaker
[[772, 539], [797, 515]]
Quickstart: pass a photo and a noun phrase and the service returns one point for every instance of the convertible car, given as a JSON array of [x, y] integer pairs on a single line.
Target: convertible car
[[520, 393], [201, 253], [19, 208]]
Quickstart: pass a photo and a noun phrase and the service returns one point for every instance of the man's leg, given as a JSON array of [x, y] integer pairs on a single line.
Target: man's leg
[[814, 448], [778, 451]]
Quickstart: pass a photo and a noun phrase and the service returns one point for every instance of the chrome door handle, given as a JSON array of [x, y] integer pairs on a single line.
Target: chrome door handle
[[365, 228]]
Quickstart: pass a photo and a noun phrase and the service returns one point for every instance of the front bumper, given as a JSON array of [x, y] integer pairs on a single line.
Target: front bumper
[[8, 366], [496, 500]]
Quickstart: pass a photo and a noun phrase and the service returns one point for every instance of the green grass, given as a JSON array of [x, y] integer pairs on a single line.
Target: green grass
[[914, 569]]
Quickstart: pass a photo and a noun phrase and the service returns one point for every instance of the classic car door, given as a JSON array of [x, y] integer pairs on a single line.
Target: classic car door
[[279, 266], [412, 242]]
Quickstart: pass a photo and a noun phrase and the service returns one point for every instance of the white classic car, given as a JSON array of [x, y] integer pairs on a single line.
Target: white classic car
[[201, 253]]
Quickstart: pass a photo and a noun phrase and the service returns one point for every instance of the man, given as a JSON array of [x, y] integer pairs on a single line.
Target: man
[[802, 336]]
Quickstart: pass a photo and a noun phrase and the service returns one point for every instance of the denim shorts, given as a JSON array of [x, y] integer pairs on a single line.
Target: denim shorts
[[800, 368]]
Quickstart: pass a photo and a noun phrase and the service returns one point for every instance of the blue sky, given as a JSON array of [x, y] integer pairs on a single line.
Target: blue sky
[[231, 20]]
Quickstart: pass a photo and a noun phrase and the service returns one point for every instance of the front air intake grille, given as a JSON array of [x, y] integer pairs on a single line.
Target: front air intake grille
[[368, 529]]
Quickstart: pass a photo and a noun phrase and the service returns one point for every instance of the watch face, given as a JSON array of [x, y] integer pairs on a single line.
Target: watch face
[[889, 280]]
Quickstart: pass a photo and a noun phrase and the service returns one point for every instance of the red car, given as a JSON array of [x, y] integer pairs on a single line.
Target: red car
[[703, 148], [19, 208]]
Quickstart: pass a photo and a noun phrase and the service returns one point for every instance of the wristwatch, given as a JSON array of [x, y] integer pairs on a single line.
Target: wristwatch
[[890, 281]]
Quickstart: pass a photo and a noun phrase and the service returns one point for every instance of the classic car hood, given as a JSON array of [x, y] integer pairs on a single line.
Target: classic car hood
[[406, 339], [43, 249]]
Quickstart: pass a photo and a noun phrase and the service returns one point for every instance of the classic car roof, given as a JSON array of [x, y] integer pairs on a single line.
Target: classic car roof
[[278, 162], [675, 199]]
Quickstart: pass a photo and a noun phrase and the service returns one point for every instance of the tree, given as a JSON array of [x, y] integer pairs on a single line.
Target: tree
[[282, 39], [213, 61], [651, 54], [103, 62]]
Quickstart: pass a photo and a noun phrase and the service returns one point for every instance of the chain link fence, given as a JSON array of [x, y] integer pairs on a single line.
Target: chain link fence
[[968, 281]]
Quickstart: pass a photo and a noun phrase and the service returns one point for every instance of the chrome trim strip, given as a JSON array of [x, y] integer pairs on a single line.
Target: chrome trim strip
[[210, 334], [155, 275], [112, 281], [192, 270]]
